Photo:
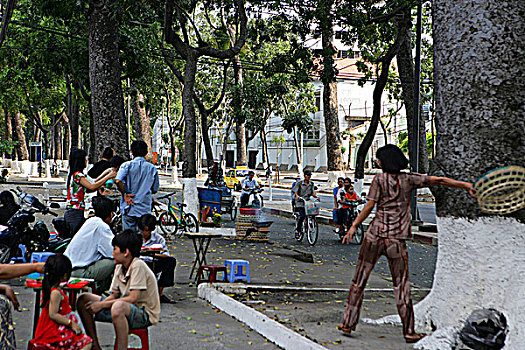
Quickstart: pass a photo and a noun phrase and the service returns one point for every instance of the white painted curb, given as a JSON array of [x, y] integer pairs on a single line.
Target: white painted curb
[[270, 329]]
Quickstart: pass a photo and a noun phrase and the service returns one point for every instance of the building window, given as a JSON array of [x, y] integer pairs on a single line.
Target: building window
[[318, 100], [313, 134]]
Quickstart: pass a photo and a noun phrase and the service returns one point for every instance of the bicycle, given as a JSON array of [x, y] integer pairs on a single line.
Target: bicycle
[[310, 226], [352, 214], [173, 221]]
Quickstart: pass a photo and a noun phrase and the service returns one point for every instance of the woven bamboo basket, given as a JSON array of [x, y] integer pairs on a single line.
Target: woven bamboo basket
[[502, 190]]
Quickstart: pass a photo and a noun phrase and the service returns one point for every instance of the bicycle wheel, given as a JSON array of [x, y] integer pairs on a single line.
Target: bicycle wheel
[[168, 225], [312, 230], [359, 235], [299, 238], [190, 223]]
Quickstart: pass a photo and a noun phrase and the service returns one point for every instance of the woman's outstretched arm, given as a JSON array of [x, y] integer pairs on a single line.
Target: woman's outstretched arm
[[446, 181]]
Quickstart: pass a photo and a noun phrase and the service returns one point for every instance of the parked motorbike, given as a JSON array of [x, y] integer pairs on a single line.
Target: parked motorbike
[[18, 231]]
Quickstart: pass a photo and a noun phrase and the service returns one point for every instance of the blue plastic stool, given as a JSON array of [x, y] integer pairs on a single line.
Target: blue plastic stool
[[39, 257], [237, 271], [22, 256]]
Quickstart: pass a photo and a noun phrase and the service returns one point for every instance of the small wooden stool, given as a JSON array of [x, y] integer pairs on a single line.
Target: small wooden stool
[[142, 333], [212, 273]]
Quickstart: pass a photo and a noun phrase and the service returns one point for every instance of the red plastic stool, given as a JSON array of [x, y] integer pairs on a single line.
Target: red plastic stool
[[212, 273], [142, 333]]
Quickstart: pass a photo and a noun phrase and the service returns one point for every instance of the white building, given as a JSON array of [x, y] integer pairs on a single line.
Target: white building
[[355, 110]]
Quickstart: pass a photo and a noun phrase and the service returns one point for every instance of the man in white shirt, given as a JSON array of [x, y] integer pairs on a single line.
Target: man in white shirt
[[90, 250], [248, 184]]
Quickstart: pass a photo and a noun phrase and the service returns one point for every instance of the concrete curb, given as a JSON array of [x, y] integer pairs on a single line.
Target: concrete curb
[[416, 236], [270, 329]]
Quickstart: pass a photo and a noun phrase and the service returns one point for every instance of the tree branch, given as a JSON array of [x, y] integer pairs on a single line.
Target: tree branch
[[10, 6], [388, 16]]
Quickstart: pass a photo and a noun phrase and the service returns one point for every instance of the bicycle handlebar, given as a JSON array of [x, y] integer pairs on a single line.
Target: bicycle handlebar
[[167, 196]]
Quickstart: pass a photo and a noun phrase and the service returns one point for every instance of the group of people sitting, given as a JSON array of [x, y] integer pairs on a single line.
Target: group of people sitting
[[128, 285]]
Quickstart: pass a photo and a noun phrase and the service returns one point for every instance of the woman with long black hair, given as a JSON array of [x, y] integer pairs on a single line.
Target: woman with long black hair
[[387, 235], [77, 184]]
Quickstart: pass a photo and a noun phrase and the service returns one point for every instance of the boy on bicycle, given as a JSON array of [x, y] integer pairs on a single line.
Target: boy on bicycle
[[303, 190]]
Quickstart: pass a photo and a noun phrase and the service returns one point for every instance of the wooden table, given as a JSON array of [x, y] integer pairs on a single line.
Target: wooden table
[[73, 290], [201, 242]]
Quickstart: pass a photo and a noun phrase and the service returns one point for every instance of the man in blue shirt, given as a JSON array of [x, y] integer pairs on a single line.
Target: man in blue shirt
[[137, 180]]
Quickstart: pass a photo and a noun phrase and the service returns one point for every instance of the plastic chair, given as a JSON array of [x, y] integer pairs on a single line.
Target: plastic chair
[[143, 334], [22, 256], [212, 273], [39, 257], [237, 271]]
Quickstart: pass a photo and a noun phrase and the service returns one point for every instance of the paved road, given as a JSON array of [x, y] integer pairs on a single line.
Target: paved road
[[329, 250], [427, 211]]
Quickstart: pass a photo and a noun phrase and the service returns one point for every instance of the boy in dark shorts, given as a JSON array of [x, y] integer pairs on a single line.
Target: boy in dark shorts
[[134, 300]]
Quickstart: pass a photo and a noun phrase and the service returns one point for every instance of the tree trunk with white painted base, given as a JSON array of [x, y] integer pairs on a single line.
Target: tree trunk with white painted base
[[478, 47]]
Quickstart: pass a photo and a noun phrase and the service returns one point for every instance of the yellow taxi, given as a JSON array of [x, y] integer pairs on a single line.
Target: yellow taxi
[[233, 177]]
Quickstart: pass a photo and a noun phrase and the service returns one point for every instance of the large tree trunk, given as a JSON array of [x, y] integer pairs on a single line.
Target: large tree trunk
[[480, 126], [240, 129], [376, 113], [405, 64], [140, 117], [189, 169], [298, 154], [73, 114], [57, 144], [8, 128], [206, 138], [330, 104], [66, 137], [21, 146], [109, 121], [265, 158]]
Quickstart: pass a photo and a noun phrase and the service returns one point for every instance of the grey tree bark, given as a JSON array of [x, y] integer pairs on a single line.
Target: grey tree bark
[[330, 103], [21, 146], [142, 126], [109, 121], [376, 113], [240, 129], [189, 157], [73, 114], [405, 64], [8, 131], [479, 90], [191, 54], [480, 121]]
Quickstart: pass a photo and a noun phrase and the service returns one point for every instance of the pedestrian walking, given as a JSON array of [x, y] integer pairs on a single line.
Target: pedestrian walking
[[387, 235], [137, 180]]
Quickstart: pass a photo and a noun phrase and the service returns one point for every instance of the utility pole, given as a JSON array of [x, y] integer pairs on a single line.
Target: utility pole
[[415, 125]]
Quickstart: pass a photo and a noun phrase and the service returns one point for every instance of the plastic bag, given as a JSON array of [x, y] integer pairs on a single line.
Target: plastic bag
[[485, 329]]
